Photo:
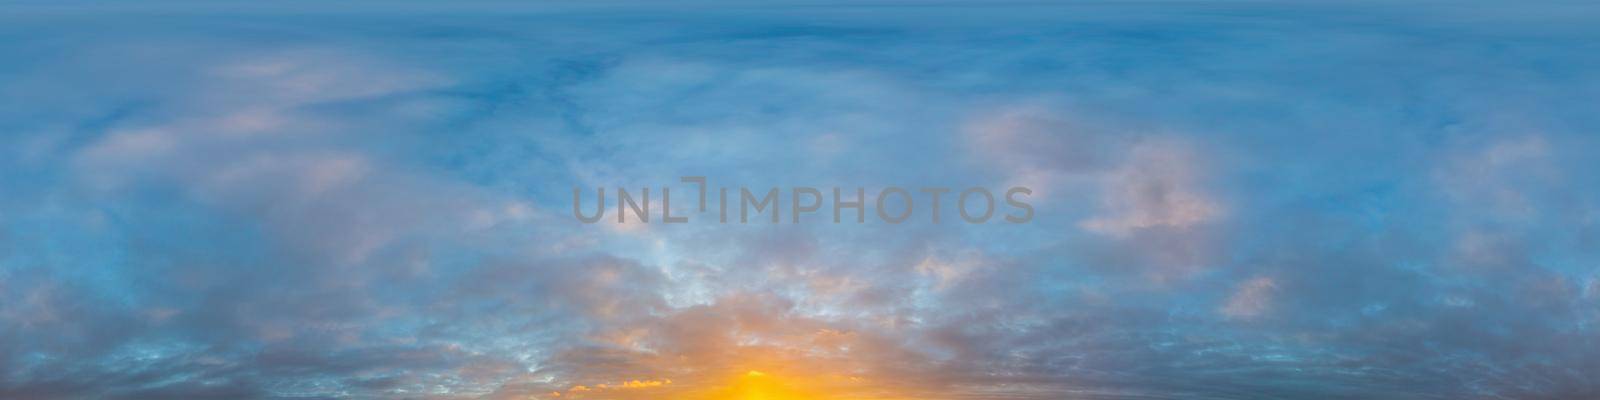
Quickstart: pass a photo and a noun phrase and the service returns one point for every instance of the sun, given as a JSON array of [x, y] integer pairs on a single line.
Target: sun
[[757, 385]]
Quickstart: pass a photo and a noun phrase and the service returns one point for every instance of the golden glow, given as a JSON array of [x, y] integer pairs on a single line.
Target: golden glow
[[747, 385], [757, 385], [636, 384]]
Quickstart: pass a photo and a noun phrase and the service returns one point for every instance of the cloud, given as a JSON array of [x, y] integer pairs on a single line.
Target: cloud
[[335, 204], [1158, 188], [1251, 299]]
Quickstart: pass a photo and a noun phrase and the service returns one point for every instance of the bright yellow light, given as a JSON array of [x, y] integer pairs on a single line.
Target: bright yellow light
[[757, 385], [766, 384]]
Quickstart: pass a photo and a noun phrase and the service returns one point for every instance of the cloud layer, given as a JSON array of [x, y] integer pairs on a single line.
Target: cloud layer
[[1233, 201]]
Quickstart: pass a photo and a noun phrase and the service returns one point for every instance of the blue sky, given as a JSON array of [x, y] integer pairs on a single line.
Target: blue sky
[[1234, 201]]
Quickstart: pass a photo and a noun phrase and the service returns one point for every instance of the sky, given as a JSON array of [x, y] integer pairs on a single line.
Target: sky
[[1236, 200]]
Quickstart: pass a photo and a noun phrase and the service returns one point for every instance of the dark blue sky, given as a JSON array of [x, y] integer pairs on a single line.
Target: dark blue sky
[[1243, 200]]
